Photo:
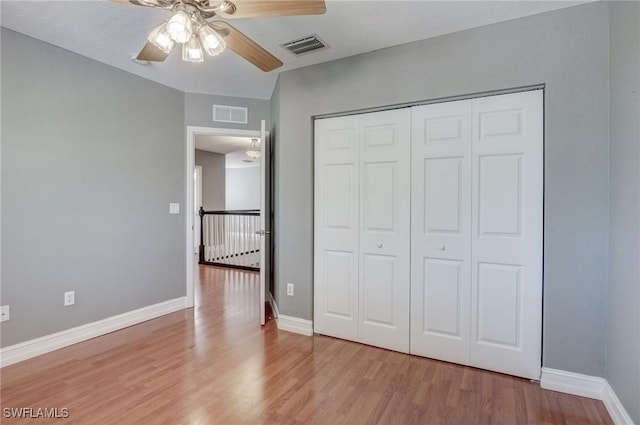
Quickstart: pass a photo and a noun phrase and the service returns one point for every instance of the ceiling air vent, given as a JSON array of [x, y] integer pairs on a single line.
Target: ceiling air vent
[[305, 45], [232, 114]]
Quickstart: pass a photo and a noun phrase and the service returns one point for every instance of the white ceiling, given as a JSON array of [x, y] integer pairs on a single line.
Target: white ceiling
[[233, 147], [112, 33], [221, 144], [240, 160]]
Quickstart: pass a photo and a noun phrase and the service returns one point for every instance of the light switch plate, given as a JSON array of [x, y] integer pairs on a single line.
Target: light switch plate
[[174, 208]]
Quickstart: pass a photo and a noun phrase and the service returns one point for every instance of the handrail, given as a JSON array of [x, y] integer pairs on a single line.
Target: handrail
[[229, 212]]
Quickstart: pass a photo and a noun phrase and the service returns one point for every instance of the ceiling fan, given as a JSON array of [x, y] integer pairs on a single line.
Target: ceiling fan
[[190, 26]]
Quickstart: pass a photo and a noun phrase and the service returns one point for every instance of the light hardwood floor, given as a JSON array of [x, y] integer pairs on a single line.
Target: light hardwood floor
[[215, 365]]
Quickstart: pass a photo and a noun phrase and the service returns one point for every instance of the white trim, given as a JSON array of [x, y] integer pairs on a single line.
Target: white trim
[[295, 325], [586, 386], [615, 407], [217, 131], [190, 163], [38, 346], [572, 383], [274, 306]]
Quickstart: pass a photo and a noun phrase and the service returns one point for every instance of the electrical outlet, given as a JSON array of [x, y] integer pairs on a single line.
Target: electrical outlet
[[290, 289], [4, 313], [69, 298]]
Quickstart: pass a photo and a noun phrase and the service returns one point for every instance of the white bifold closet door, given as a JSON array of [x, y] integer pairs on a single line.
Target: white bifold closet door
[[507, 228], [477, 205], [336, 223], [385, 208], [441, 231], [362, 223]]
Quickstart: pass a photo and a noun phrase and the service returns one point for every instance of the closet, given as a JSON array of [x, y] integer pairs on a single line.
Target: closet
[[428, 230]]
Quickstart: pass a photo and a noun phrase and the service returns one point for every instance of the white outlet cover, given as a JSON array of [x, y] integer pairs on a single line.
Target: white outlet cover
[[5, 313], [174, 208], [69, 298], [290, 289]]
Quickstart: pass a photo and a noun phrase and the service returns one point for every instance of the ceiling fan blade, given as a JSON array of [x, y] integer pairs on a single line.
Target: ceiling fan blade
[[258, 8], [246, 47], [151, 53], [148, 3]]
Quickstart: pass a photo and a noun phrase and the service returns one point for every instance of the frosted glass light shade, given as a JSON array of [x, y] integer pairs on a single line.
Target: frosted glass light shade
[[254, 149], [192, 51], [211, 41], [179, 27], [160, 38]]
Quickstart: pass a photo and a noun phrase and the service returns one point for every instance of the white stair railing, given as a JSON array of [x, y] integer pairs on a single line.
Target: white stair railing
[[230, 238]]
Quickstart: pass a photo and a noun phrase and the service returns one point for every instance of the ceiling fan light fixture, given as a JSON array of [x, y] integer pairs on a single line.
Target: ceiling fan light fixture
[[179, 26], [211, 41], [254, 149], [192, 50], [160, 38]]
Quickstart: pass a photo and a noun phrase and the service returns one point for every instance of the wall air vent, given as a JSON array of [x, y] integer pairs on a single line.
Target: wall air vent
[[305, 45], [232, 114]]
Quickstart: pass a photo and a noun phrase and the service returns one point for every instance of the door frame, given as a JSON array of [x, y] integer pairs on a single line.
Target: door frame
[[197, 175], [190, 162]]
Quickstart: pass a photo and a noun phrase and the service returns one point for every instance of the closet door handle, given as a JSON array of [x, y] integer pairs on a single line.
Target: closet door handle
[[442, 247], [379, 244]]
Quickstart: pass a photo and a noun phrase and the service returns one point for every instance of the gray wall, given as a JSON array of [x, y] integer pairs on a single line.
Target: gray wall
[[568, 50], [623, 330], [91, 158], [213, 179], [242, 190], [199, 111]]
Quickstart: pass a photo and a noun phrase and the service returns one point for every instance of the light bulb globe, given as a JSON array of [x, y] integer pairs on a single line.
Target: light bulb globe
[[179, 27], [161, 39], [211, 41], [192, 50]]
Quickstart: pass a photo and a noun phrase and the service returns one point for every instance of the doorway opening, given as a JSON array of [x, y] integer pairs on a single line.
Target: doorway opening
[[227, 195]]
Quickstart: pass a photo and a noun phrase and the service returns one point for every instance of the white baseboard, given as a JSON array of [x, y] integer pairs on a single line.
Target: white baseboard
[[614, 406], [295, 325], [572, 383], [38, 346], [586, 386], [274, 306]]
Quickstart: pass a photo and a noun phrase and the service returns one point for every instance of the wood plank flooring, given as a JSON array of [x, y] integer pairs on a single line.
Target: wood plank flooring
[[215, 365]]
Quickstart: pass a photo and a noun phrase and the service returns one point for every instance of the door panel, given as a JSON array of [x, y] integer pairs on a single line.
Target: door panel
[[379, 186], [384, 229], [197, 198], [507, 155], [500, 195], [499, 290], [339, 296], [378, 290], [442, 298], [441, 231], [336, 227], [442, 200], [339, 196]]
